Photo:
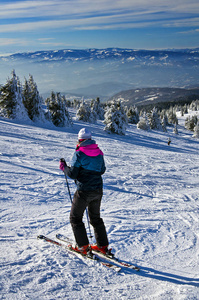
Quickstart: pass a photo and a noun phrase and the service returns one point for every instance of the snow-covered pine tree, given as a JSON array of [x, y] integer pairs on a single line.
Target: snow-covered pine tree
[[163, 116], [115, 118], [172, 118], [57, 110], [143, 123], [26, 98], [76, 103], [175, 129], [66, 115], [97, 108], [51, 107], [196, 131], [7, 99], [185, 109], [32, 100], [85, 113], [11, 103], [197, 104], [93, 114], [191, 122], [133, 115], [154, 120], [164, 122]]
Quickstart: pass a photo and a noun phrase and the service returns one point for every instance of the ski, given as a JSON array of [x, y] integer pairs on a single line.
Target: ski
[[117, 260], [78, 254], [110, 258]]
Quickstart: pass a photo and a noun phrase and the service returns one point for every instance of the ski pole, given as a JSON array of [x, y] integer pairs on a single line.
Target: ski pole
[[68, 189], [89, 228]]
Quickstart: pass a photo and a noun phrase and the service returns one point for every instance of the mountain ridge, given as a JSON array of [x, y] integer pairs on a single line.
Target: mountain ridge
[[156, 95], [86, 72], [106, 53]]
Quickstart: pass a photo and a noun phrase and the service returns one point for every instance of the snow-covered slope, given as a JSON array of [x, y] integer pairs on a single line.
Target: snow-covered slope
[[150, 208]]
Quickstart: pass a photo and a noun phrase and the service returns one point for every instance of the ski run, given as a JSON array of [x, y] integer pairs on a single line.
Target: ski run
[[150, 208]]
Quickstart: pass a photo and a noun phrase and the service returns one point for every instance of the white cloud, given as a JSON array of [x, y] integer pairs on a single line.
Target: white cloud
[[12, 41], [190, 31], [188, 22], [45, 39], [44, 8], [119, 21], [103, 14]]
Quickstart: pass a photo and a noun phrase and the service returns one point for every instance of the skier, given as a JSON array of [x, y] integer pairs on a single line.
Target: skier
[[87, 166]]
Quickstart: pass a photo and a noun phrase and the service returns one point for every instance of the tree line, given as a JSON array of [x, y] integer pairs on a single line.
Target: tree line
[[24, 102]]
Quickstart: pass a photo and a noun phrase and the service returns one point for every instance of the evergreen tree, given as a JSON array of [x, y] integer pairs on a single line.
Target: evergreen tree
[[93, 116], [154, 120], [76, 103], [197, 104], [66, 115], [172, 118], [133, 115], [163, 116], [175, 129], [86, 113], [143, 123], [11, 103], [164, 123], [32, 100], [196, 131], [190, 123], [115, 118], [83, 112], [8, 99], [97, 108], [57, 110], [185, 109]]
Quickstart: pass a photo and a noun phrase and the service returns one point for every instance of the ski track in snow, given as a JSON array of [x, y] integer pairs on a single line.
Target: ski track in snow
[[150, 209]]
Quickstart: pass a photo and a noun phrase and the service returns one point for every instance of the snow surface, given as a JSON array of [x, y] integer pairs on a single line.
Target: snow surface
[[150, 208]]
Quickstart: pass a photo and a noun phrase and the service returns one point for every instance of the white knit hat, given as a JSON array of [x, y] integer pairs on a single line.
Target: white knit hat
[[84, 133]]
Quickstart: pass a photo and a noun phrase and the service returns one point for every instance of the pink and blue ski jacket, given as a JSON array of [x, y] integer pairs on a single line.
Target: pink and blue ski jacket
[[87, 166]]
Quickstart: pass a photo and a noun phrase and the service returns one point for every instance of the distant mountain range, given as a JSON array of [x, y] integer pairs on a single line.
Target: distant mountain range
[[149, 57], [104, 72], [154, 96]]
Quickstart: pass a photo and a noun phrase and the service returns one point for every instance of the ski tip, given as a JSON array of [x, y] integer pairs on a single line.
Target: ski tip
[[41, 237], [136, 269], [111, 266], [118, 269]]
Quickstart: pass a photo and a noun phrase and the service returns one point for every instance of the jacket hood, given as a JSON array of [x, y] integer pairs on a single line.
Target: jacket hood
[[90, 148]]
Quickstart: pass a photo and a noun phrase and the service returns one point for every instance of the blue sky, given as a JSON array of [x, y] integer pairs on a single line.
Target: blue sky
[[61, 24]]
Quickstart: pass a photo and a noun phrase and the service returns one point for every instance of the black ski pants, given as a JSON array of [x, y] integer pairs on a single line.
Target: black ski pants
[[91, 200]]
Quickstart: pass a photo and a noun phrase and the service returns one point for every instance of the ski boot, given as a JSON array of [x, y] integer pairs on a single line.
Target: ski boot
[[84, 250], [102, 249]]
